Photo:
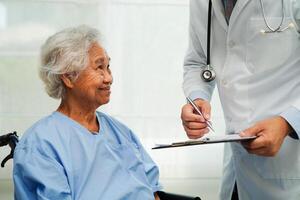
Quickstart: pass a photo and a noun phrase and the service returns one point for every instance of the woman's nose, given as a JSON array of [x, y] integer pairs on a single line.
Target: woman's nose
[[107, 77]]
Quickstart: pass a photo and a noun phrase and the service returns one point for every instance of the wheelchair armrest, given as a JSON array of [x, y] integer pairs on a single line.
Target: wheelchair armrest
[[171, 196], [10, 139]]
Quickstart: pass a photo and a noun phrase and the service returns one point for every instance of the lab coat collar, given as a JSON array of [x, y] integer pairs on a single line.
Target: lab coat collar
[[220, 13], [238, 8]]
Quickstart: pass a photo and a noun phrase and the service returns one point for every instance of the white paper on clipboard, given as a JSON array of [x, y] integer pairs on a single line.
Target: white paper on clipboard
[[211, 139]]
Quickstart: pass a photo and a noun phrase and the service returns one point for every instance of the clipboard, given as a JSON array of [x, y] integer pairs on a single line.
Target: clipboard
[[206, 140]]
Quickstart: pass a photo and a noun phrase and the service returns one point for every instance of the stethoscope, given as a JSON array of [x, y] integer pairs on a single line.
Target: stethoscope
[[208, 74]]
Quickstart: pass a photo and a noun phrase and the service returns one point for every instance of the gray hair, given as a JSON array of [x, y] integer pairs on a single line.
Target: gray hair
[[65, 52]]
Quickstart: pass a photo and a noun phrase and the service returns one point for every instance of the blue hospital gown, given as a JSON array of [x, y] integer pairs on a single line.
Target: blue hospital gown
[[59, 159]]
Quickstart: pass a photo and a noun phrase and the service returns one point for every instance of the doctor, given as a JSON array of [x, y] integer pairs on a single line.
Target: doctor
[[254, 53]]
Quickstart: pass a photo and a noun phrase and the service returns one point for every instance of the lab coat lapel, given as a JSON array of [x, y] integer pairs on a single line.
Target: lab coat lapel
[[238, 8], [219, 12]]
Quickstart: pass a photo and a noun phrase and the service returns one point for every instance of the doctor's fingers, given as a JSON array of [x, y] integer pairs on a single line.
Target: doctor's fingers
[[263, 151], [194, 125], [260, 151], [188, 115], [258, 143], [194, 134]]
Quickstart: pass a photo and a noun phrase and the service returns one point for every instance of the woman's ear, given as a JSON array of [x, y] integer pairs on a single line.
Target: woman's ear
[[67, 80]]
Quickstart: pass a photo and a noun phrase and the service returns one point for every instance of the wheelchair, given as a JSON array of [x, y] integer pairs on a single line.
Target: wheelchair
[[12, 139]]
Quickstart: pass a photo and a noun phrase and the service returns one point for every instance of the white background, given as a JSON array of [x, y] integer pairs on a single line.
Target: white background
[[146, 40]]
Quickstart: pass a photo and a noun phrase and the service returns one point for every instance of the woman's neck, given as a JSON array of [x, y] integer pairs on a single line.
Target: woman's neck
[[83, 114]]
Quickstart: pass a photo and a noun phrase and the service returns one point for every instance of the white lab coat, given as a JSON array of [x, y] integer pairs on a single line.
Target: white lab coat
[[258, 76]]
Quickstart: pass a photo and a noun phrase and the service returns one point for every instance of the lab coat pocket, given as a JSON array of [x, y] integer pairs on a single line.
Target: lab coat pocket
[[295, 10], [269, 51]]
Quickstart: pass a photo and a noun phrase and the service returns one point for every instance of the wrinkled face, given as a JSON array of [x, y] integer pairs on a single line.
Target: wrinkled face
[[92, 86]]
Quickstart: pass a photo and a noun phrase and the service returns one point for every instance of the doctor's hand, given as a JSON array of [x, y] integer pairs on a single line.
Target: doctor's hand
[[271, 133], [195, 125]]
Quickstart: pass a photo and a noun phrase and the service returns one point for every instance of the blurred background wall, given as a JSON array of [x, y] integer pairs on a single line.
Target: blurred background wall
[[146, 40]]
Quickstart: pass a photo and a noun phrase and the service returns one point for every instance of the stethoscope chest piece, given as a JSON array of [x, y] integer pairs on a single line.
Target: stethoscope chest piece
[[208, 74]]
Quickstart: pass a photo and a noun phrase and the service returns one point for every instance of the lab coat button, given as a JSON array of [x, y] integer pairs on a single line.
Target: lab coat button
[[224, 82], [231, 44]]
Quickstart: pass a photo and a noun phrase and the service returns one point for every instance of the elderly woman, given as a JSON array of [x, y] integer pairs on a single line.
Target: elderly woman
[[77, 152]]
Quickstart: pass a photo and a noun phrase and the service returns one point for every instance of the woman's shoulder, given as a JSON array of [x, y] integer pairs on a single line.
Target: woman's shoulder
[[43, 129], [42, 141]]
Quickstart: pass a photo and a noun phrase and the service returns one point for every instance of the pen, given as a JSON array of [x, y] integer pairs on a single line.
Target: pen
[[208, 123]]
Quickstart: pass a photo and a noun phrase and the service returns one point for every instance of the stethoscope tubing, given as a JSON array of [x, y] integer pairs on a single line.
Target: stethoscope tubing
[[208, 33]]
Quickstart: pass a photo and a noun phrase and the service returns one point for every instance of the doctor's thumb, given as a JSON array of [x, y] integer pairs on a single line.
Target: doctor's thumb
[[206, 110], [254, 130]]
